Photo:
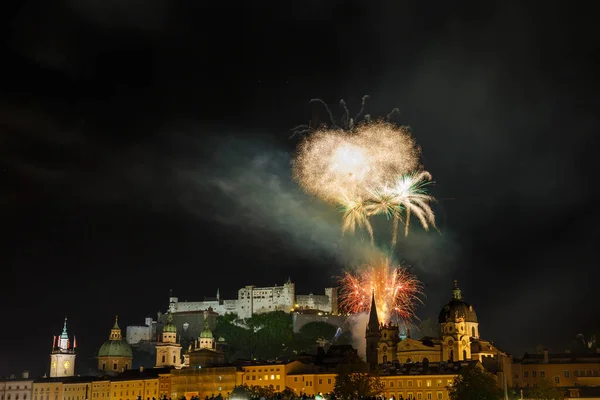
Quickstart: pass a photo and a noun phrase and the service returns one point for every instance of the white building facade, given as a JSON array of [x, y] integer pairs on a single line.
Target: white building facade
[[258, 300], [16, 388]]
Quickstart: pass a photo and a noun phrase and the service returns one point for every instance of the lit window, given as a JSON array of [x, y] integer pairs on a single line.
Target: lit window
[[428, 383]]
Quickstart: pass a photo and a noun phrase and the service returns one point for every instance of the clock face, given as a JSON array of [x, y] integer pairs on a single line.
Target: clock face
[[66, 364]]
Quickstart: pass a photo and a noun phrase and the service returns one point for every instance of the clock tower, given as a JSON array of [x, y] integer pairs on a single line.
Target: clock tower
[[62, 358]]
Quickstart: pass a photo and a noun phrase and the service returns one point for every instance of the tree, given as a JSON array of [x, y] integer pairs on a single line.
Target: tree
[[241, 392], [354, 381], [545, 390], [473, 383], [288, 394]]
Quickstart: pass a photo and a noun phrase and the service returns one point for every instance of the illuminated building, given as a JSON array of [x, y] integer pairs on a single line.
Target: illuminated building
[[15, 388], [564, 370], [428, 383], [62, 358], [203, 352], [256, 300], [459, 341], [203, 382], [63, 388], [115, 355], [302, 377], [168, 349], [130, 385]]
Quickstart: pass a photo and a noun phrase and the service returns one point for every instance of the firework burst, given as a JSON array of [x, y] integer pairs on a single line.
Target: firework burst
[[367, 168], [396, 291]]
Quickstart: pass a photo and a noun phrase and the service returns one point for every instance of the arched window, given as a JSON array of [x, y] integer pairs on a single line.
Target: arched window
[[174, 358], [451, 358], [103, 366], [115, 366], [164, 359], [408, 360], [464, 354], [384, 359], [473, 331]]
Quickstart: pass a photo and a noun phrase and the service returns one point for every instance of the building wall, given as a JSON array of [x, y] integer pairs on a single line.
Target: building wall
[[311, 384], [419, 387], [77, 391], [114, 364], [136, 333], [131, 389], [255, 300], [62, 365], [164, 385], [16, 389], [562, 375], [168, 355], [47, 390], [203, 382], [100, 390], [265, 375]]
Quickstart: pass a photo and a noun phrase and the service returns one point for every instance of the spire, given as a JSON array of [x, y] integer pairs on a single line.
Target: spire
[[64, 334], [218, 296], [373, 324], [456, 291], [115, 332]]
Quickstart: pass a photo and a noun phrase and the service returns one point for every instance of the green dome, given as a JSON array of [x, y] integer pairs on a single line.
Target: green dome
[[206, 333], [169, 327], [115, 348]]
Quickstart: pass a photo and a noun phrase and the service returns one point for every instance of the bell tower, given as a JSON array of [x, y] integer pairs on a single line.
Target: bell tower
[[168, 350], [62, 357], [372, 336]]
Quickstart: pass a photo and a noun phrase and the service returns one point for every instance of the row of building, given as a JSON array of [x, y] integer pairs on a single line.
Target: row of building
[[408, 368]]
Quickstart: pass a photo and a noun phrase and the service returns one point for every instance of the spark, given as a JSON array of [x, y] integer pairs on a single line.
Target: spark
[[397, 292], [367, 168]]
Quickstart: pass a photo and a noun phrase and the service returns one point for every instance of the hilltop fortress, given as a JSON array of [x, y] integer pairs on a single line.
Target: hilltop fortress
[[258, 300], [190, 315]]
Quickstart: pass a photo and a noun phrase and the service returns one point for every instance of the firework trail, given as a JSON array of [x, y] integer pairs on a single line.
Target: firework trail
[[367, 169], [396, 291]]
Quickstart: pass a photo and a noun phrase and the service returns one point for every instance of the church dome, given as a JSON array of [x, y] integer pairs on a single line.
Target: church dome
[[457, 307], [115, 348], [206, 333]]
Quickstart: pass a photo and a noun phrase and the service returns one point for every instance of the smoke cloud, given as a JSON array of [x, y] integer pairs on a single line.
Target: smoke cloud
[[358, 327], [246, 183]]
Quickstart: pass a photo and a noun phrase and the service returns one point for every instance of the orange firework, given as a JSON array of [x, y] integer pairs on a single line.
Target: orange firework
[[396, 291]]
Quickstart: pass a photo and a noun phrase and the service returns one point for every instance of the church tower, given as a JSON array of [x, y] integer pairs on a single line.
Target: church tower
[[458, 324], [62, 358], [372, 336], [115, 355], [168, 350]]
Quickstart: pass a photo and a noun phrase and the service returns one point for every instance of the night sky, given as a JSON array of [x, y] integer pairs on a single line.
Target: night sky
[[145, 146]]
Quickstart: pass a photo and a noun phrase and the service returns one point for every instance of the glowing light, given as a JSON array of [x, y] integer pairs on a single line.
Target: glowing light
[[397, 292], [370, 170]]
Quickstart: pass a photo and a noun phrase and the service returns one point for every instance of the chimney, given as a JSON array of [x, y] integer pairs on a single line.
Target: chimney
[[545, 356], [25, 374]]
